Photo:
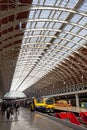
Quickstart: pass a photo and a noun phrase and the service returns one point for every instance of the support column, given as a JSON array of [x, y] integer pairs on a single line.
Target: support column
[[77, 100]]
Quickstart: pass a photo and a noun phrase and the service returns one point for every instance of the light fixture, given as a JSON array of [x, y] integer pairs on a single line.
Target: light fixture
[[20, 25], [82, 77]]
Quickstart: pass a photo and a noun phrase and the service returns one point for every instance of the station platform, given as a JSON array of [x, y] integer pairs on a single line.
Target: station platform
[[72, 109], [25, 120]]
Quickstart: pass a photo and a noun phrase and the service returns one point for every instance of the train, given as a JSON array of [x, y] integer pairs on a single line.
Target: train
[[62, 103], [44, 104]]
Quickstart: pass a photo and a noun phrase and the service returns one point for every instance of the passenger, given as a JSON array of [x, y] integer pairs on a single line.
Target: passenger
[[3, 107], [11, 112], [32, 107], [8, 113], [16, 106]]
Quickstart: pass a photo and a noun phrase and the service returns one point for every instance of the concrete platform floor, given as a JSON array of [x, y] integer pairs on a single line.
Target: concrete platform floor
[[25, 120]]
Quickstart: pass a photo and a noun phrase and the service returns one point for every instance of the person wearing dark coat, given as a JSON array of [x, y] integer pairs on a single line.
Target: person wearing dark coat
[[3, 107]]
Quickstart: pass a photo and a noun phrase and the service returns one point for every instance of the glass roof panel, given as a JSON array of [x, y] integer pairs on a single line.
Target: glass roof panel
[[31, 14], [75, 47], [36, 32], [56, 15], [68, 27], [83, 32], [71, 3], [33, 39], [64, 15], [57, 25], [83, 21], [44, 13], [76, 18], [75, 29], [50, 2], [37, 14], [84, 6], [70, 44], [76, 39], [51, 24], [40, 24], [63, 42]]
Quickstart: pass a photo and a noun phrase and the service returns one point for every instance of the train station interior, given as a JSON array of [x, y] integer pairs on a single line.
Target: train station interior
[[43, 55]]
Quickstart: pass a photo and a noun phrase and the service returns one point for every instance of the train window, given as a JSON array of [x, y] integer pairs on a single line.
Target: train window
[[49, 101], [40, 100]]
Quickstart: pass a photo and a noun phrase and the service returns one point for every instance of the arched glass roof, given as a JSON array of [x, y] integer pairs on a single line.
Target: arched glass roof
[[55, 29]]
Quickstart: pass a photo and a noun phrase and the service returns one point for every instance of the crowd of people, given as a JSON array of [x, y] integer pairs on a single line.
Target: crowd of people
[[9, 108]]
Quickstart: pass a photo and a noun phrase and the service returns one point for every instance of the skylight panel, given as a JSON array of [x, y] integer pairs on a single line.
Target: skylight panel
[[70, 44], [63, 42], [47, 39], [57, 25], [28, 25], [45, 13], [46, 24], [42, 39], [62, 34], [61, 53], [59, 48], [50, 2], [28, 40], [71, 3], [57, 41], [42, 2], [42, 32], [36, 32], [37, 14], [75, 30], [82, 42], [52, 14], [33, 39], [64, 49], [46, 32], [29, 33], [23, 41], [76, 39], [52, 33], [40, 24], [63, 3], [51, 24], [31, 14], [64, 15], [68, 27], [69, 36], [83, 21], [68, 53], [25, 34], [75, 18], [75, 47], [33, 24], [35, 2], [83, 32], [84, 6], [56, 15]]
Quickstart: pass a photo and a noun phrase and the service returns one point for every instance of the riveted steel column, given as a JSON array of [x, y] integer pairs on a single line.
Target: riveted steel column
[[77, 99]]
